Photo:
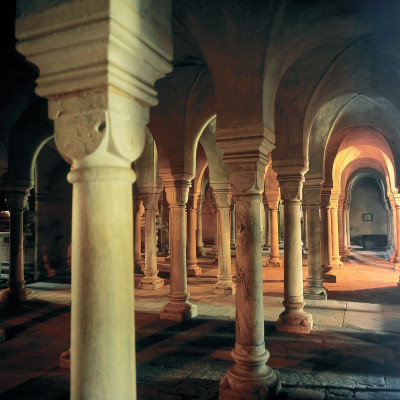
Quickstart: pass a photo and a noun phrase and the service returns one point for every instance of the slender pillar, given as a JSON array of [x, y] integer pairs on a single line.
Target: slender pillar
[[137, 234], [305, 232], [225, 285], [192, 266], [314, 289], [389, 244], [267, 229], [199, 231], [341, 229], [233, 223], [274, 257], [16, 194], [249, 377], [179, 308], [397, 237], [294, 319], [335, 232], [99, 89], [395, 227], [348, 227], [326, 237], [164, 213], [151, 280]]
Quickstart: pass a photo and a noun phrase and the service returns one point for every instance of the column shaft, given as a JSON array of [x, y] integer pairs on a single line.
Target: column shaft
[[151, 279], [293, 319], [335, 236], [192, 266], [250, 373], [232, 226], [137, 235], [199, 230], [274, 257], [102, 294], [179, 308]]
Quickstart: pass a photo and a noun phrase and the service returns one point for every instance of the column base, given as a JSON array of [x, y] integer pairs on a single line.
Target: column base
[[152, 283], [337, 263], [179, 312], [65, 359], [224, 288], [294, 319], [323, 295], [274, 262], [14, 297], [250, 380], [193, 269], [329, 278], [343, 257]]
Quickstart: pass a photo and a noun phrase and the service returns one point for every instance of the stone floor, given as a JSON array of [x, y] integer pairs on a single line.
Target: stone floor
[[353, 352]]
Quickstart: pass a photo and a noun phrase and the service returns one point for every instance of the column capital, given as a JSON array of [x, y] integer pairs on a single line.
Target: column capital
[[16, 193], [192, 200], [291, 187], [177, 192], [312, 191], [222, 195], [98, 63], [325, 196], [246, 150]]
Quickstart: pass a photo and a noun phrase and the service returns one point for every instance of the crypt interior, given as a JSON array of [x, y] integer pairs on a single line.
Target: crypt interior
[[199, 199]]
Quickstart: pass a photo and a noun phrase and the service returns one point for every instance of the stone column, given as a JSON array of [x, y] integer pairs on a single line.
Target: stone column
[[250, 377], [199, 231], [16, 194], [314, 289], [348, 249], [305, 233], [389, 245], [335, 232], [397, 231], [164, 213], [341, 229], [274, 257], [326, 237], [225, 285], [151, 279], [293, 319], [179, 308], [262, 221], [267, 230], [137, 234], [192, 266], [98, 74], [233, 223]]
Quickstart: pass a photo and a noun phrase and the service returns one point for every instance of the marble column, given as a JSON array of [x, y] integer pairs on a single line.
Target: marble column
[[274, 257], [341, 228], [304, 230], [16, 194], [137, 234], [335, 232], [151, 280], [192, 263], [249, 377], [199, 231], [326, 237], [99, 89], [348, 227], [267, 228], [314, 289], [294, 319], [232, 226], [225, 285], [179, 308]]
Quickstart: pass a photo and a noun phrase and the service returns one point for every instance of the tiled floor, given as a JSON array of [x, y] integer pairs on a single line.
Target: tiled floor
[[353, 351]]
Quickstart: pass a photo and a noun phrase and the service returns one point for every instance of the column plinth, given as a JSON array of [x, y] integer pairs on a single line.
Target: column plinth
[[16, 196], [179, 308], [151, 280]]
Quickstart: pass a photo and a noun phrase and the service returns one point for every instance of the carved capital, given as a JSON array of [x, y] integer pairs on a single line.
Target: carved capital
[[223, 196], [192, 201], [312, 191], [177, 192], [16, 194]]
